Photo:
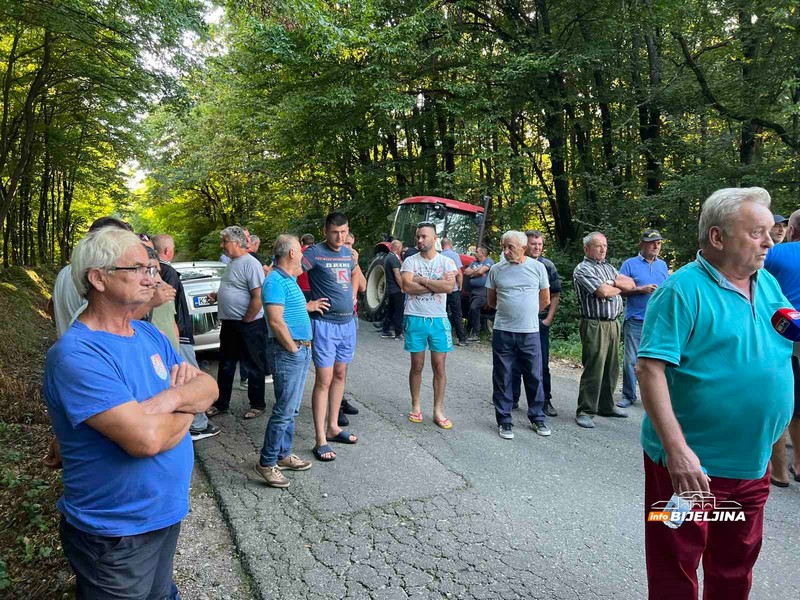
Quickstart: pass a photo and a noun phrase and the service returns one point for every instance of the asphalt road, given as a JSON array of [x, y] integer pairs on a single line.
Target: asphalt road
[[413, 511]]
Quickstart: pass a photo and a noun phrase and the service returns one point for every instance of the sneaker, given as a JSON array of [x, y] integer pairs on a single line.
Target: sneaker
[[506, 431], [210, 431], [243, 384], [462, 343], [348, 408], [541, 428], [377, 324], [294, 463], [625, 403], [386, 336], [268, 379], [473, 338], [343, 421], [549, 410], [585, 421], [400, 337], [272, 475], [619, 414]]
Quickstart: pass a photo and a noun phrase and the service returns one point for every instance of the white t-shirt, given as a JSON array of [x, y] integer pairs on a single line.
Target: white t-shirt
[[430, 304], [517, 287], [67, 303]]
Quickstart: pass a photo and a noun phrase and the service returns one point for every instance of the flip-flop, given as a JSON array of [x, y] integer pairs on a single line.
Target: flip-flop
[[253, 413], [415, 417], [214, 411], [343, 437], [318, 452], [794, 474], [780, 484], [444, 423]]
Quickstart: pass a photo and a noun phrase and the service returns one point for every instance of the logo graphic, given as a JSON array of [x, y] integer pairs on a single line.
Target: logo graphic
[[342, 276], [158, 366], [695, 505]]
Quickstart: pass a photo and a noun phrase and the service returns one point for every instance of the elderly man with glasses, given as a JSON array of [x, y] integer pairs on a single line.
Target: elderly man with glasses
[[121, 402]]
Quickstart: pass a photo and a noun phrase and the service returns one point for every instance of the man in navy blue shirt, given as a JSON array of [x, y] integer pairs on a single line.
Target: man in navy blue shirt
[[476, 275], [648, 272], [782, 262], [121, 402]]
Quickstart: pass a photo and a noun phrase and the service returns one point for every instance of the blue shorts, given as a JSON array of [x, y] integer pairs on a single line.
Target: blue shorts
[[427, 332], [332, 342]]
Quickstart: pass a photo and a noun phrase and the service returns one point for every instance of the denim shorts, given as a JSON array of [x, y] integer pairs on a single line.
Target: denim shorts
[[427, 332], [332, 342]]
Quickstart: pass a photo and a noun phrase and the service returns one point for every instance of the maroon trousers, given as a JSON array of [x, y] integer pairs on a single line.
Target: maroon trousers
[[728, 549]]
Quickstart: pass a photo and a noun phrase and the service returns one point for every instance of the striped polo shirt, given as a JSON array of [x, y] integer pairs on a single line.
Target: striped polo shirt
[[280, 288], [587, 277]]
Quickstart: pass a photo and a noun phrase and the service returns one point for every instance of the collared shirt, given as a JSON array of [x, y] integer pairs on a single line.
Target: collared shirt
[[587, 277], [728, 372], [643, 273]]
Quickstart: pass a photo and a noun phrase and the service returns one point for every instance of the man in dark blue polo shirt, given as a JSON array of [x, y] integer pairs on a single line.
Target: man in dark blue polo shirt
[[648, 272]]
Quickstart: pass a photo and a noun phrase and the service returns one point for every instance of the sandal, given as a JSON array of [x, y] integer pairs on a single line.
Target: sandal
[[319, 452], [415, 417], [253, 413], [214, 411], [343, 437], [444, 423]]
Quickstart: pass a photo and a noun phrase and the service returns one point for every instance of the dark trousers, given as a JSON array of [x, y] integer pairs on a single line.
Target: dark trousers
[[477, 300], [395, 304], [544, 343], [454, 314], [728, 549], [523, 349], [245, 342], [134, 567]]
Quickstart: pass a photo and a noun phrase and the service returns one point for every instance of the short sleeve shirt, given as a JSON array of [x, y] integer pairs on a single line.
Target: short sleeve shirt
[[391, 262], [456, 258], [517, 287], [587, 277], [107, 491], [783, 263], [429, 304], [479, 282], [281, 289], [330, 275], [729, 373], [552, 276], [643, 273], [240, 277]]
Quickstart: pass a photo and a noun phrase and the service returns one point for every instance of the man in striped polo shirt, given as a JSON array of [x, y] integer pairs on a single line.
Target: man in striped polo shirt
[[598, 286]]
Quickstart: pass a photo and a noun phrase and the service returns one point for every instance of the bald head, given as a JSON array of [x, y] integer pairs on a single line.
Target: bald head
[[793, 231], [165, 246], [396, 246]]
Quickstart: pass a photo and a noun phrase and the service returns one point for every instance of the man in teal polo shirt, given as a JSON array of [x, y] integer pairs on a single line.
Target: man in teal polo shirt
[[716, 384]]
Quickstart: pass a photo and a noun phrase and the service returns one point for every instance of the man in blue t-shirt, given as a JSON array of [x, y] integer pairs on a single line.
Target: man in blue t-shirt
[[648, 272], [475, 274], [782, 262], [331, 270], [121, 402], [290, 334]]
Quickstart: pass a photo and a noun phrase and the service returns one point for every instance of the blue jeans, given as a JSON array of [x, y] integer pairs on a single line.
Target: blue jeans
[[522, 349], [632, 332], [289, 373]]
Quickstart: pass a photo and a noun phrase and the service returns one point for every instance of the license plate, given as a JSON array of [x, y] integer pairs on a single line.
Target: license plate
[[201, 301]]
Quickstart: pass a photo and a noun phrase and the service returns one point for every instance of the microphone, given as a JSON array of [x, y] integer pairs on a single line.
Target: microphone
[[786, 322]]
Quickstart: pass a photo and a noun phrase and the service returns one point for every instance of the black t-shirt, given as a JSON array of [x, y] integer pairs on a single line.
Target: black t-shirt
[[391, 262], [182, 316], [258, 257]]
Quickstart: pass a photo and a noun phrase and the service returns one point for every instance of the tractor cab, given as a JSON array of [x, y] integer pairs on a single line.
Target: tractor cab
[[459, 221]]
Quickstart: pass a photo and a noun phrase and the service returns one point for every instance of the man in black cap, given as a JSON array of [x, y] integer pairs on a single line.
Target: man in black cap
[[648, 272], [778, 231]]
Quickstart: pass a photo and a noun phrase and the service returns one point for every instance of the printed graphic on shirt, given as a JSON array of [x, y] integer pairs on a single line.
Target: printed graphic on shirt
[[158, 366]]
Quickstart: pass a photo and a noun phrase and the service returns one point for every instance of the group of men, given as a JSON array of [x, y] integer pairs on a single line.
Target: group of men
[[703, 430]]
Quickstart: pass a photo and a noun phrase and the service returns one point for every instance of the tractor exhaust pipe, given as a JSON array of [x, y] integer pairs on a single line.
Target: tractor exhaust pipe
[[487, 199]]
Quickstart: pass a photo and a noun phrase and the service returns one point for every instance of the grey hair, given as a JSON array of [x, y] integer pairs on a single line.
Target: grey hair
[[283, 244], [234, 233], [521, 238], [721, 206], [255, 238], [100, 249], [588, 239]]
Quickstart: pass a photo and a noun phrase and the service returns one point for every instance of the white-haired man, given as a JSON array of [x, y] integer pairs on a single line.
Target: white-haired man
[[716, 384], [517, 288], [121, 402], [598, 286]]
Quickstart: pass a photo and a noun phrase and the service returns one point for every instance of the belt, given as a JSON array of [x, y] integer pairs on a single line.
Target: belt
[[600, 318], [306, 343]]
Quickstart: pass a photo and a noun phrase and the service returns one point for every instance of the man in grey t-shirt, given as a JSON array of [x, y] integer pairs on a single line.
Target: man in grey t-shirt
[[517, 288], [243, 332]]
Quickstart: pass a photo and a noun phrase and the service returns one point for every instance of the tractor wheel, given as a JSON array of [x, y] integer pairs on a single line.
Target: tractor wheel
[[376, 289]]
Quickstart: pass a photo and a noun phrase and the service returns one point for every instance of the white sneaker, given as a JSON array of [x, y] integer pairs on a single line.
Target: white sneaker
[[506, 431], [243, 385], [268, 379]]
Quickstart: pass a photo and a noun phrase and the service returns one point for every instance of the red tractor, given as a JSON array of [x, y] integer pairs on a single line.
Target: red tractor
[[461, 222]]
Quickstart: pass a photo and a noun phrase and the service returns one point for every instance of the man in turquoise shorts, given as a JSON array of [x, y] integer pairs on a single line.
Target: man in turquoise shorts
[[427, 279]]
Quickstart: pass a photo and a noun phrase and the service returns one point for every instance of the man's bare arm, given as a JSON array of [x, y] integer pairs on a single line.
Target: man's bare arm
[[544, 298], [254, 307], [607, 291], [397, 277], [410, 287], [279, 328], [491, 297], [555, 300], [191, 391], [624, 283]]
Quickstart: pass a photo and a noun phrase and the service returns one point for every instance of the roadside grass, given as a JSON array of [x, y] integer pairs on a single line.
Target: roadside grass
[[31, 563]]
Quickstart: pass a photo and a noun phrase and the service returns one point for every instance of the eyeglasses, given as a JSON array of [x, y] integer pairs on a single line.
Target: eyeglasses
[[144, 237], [141, 270]]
